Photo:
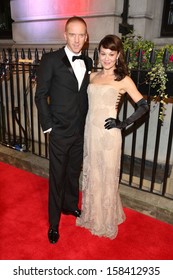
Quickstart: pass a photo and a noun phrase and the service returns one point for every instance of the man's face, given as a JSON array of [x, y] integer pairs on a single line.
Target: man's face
[[75, 36]]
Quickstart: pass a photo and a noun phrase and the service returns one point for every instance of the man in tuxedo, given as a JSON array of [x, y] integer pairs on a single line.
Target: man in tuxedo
[[61, 100]]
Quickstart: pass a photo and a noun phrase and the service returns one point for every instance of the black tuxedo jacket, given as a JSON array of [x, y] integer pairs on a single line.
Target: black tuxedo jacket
[[61, 106]]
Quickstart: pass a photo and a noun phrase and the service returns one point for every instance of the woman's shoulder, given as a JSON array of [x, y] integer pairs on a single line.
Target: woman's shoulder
[[129, 86], [126, 82], [127, 79], [92, 75]]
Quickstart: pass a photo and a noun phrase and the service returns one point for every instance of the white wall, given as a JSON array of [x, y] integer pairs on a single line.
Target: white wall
[[42, 21]]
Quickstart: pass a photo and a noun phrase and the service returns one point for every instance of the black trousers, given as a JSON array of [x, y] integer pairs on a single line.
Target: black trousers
[[65, 161]]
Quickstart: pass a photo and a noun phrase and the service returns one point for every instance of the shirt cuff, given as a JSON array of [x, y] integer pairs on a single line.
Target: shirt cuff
[[48, 130]]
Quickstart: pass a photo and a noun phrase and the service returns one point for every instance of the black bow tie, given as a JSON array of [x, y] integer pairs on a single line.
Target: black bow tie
[[77, 57]]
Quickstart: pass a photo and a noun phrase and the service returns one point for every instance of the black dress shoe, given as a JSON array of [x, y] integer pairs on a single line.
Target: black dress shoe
[[53, 235], [75, 213]]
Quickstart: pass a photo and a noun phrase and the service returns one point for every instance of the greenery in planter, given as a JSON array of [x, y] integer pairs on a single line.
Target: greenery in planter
[[157, 61]]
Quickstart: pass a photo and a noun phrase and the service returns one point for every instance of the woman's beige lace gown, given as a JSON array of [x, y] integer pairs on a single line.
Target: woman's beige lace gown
[[102, 210]]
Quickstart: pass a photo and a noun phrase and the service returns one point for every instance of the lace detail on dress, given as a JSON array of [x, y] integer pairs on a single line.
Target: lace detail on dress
[[102, 210]]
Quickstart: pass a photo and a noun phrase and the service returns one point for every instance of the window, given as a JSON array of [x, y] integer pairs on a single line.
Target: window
[[167, 19], [5, 20]]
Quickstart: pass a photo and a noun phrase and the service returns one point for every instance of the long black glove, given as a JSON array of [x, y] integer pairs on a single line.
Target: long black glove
[[142, 108]]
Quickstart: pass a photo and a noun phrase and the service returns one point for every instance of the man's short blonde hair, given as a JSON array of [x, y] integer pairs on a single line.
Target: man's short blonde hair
[[75, 19]]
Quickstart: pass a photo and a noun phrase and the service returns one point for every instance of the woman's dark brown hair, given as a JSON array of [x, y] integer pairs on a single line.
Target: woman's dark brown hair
[[114, 43]]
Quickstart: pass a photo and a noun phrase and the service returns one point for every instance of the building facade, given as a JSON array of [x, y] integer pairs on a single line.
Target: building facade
[[41, 22]]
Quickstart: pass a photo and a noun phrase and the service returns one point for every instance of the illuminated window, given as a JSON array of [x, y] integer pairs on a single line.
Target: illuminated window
[[167, 19]]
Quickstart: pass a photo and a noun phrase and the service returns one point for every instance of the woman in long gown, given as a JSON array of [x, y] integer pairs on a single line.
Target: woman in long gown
[[102, 209]]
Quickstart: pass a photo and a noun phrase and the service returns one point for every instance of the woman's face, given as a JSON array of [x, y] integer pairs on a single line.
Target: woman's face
[[108, 58]]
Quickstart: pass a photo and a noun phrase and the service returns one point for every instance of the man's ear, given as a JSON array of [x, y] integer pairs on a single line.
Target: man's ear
[[86, 37], [65, 35]]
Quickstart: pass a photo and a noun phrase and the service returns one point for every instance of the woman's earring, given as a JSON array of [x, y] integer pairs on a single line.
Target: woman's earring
[[117, 58]]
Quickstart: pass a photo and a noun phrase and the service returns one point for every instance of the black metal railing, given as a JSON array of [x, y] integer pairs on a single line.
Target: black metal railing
[[146, 150]]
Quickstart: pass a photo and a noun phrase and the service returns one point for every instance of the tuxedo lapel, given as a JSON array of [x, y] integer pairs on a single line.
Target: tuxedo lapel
[[67, 63], [88, 64]]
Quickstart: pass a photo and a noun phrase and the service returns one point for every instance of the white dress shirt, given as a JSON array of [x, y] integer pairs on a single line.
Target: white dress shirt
[[78, 66]]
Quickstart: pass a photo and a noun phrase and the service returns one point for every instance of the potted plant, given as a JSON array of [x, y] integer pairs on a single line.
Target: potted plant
[[156, 64]]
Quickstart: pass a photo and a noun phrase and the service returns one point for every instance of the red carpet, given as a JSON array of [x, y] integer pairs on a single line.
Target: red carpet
[[23, 230]]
